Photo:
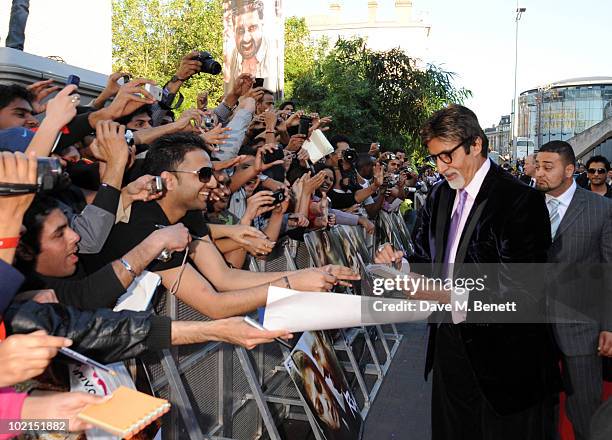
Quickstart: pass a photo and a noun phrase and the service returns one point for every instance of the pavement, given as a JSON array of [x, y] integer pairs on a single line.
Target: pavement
[[402, 408]]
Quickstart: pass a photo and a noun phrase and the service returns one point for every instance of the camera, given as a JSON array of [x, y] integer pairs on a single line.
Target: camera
[[259, 82], [208, 123], [279, 197], [155, 91], [305, 123], [209, 65], [48, 177], [277, 154], [350, 155]]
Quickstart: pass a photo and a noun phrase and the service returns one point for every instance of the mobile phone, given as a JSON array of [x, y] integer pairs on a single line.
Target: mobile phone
[[123, 80], [279, 197], [258, 326], [277, 154], [259, 82], [157, 185], [305, 123], [155, 91], [73, 79]]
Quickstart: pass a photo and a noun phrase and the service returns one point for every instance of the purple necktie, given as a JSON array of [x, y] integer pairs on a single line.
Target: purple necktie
[[454, 226]]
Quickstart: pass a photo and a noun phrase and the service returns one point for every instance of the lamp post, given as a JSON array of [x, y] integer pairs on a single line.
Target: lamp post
[[519, 13]]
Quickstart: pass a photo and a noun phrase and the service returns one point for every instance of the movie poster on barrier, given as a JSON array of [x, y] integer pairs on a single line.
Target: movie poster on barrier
[[323, 248], [318, 377], [254, 42]]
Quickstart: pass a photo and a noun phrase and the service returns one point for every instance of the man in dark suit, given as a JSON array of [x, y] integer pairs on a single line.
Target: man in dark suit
[[580, 301], [491, 380], [528, 177]]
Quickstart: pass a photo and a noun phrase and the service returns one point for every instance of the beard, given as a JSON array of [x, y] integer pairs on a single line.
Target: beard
[[458, 182]]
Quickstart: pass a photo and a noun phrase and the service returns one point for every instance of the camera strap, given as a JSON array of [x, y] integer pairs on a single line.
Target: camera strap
[[8, 189]]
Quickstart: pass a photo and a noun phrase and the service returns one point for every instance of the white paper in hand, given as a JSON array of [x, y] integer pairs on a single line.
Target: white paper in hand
[[308, 311], [139, 293], [318, 146]]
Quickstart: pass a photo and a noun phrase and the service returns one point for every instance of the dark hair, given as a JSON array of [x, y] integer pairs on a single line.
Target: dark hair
[[241, 6], [34, 221], [125, 120], [10, 92], [455, 123], [168, 151], [562, 148], [268, 92], [285, 104], [339, 138], [601, 159]]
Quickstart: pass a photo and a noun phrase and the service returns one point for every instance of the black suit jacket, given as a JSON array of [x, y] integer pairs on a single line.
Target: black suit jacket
[[525, 179], [514, 364]]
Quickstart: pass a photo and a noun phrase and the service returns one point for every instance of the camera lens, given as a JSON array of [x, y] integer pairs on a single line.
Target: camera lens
[[209, 65]]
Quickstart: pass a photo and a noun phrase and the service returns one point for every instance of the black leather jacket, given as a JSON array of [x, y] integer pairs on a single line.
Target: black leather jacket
[[101, 334]]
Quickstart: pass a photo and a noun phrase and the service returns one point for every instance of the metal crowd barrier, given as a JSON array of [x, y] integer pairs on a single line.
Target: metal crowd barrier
[[219, 391]]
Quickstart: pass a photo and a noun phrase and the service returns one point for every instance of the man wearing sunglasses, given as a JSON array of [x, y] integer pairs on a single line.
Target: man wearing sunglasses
[[491, 379], [205, 282], [597, 172]]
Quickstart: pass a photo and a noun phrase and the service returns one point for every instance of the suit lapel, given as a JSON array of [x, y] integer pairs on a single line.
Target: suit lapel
[[475, 214], [573, 212], [445, 206]]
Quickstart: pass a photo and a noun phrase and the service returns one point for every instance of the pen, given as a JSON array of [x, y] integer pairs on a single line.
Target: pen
[[258, 326], [85, 360]]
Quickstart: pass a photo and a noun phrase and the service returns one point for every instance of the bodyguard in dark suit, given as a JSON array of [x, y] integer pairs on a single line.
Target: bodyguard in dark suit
[[579, 279], [490, 380]]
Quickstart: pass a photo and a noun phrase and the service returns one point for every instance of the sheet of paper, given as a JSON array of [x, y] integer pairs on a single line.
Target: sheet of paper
[[308, 311], [318, 146], [139, 293]]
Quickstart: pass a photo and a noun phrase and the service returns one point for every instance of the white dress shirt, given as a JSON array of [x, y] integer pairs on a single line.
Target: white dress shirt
[[564, 200], [472, 190]]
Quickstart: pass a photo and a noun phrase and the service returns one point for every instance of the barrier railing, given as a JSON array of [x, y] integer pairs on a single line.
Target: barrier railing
[[223, 392]]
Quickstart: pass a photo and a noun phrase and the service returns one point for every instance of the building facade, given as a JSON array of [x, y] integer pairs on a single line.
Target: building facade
[[561, 110], [401, 29], [499, 136]]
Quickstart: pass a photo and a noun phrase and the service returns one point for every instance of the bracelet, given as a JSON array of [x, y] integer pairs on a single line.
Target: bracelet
[[9, 243], [128, 267], [287, 282], [177, 79]]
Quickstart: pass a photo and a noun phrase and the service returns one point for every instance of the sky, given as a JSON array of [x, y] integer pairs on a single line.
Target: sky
[[558, 39]]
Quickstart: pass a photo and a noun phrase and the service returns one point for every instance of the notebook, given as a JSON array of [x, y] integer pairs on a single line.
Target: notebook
[[126, 413]]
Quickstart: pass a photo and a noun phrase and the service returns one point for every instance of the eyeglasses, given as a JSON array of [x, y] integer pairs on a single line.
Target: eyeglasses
[[204, 173], [446, 156], [597, 171]]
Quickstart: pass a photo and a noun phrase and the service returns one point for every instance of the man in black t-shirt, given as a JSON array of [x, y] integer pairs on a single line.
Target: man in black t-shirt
[[185, 167]]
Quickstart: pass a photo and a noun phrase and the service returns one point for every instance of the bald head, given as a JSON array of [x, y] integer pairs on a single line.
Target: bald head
[[530, 164]]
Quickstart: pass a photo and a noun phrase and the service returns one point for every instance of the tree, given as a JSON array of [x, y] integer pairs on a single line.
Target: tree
[[299, 51], [151, 36], [376, 95]]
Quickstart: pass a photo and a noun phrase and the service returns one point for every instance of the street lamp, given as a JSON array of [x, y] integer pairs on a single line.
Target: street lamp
[[519, 14]]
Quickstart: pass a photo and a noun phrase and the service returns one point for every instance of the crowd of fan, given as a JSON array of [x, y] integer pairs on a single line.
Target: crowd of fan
[[185, 198]]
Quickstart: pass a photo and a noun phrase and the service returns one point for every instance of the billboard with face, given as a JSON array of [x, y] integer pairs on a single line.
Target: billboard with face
[[253, 42]]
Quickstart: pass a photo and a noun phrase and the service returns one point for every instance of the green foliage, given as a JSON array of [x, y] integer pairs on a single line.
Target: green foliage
[[376, 96], [299, 51], [151, 36]]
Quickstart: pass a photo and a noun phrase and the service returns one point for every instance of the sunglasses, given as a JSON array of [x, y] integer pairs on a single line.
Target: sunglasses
[[597, 171], [204, 173]]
